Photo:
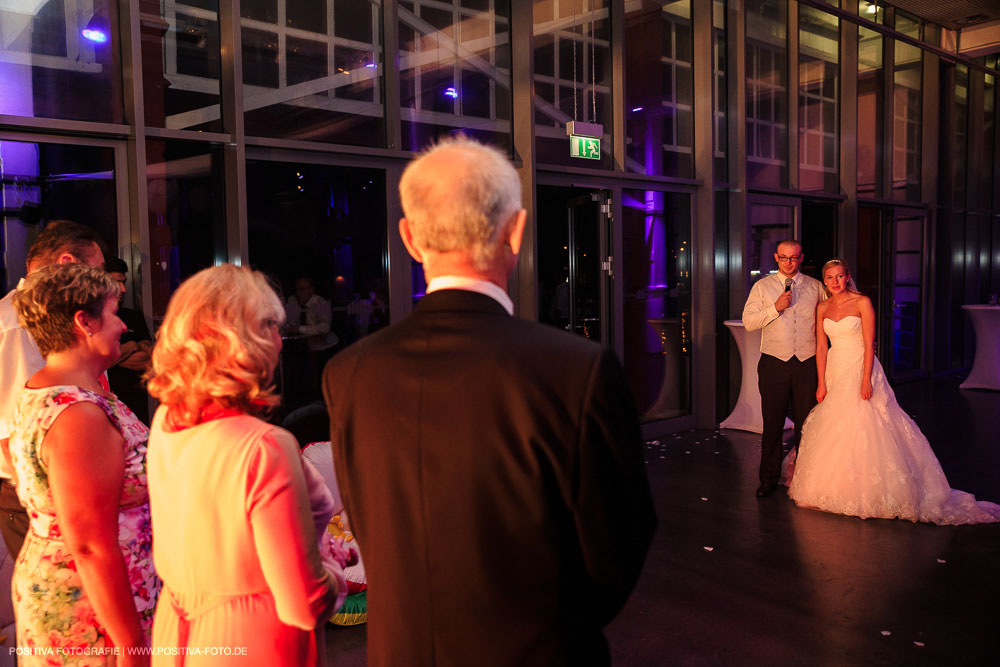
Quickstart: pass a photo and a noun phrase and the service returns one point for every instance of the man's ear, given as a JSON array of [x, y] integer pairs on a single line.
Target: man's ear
[[67, 258], [515, 231], [407, 235]]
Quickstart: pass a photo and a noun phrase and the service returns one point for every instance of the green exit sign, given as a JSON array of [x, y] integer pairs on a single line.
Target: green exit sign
[[584, 147]]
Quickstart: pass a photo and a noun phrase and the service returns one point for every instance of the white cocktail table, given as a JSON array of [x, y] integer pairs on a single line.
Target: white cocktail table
[[986, 366], [746, 415]]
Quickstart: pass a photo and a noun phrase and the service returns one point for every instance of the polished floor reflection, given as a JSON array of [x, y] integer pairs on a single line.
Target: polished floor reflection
[[732, 580]]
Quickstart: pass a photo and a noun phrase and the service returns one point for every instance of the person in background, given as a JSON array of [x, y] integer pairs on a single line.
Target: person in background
[[310, 315], [492, 467], [783, 304], [84, 578], [237, 549], [61, 242], [125, 376]]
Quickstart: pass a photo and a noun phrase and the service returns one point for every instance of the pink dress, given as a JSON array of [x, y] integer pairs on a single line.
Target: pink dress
[[51, 607], [236, 547]]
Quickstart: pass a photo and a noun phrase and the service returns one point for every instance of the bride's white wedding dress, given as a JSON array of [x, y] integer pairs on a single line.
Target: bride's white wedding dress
[[868, 458]]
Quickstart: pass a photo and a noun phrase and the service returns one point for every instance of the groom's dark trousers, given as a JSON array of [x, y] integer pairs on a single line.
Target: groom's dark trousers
[[781, 382]]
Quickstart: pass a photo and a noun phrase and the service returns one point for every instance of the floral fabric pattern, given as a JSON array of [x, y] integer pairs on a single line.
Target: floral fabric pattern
[[54, 617]]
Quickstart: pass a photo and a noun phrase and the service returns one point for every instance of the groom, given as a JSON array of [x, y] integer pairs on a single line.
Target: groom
[[783, 304]]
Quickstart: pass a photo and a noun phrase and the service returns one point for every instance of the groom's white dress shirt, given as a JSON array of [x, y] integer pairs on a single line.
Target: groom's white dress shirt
[[792, 332]]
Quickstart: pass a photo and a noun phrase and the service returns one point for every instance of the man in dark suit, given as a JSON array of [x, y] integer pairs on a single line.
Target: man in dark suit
[[491, 466]]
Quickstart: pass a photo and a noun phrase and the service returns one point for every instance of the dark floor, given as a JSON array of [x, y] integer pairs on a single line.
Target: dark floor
[[733, 580]]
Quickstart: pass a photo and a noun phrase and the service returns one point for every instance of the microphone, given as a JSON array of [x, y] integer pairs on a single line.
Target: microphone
[[788, 284]]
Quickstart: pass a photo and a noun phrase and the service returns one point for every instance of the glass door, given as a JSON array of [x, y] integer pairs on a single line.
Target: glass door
[[574, 266], [770, 221], [890, 272], [904, 321]]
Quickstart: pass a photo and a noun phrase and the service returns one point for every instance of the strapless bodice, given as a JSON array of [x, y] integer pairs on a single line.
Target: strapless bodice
[[845, 331]]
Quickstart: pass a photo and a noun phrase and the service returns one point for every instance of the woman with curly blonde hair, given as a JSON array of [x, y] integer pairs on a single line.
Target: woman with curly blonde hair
[[84, 584], [235, 544]]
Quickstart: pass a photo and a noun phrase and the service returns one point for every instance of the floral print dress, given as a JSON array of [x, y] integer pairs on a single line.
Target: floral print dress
[[55, 621]]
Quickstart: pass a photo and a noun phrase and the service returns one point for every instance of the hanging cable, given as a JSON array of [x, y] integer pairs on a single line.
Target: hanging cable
[[574, 61], [593, 59]]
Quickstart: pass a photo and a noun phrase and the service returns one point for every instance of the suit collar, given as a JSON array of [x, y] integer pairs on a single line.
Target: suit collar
[[459, 300]]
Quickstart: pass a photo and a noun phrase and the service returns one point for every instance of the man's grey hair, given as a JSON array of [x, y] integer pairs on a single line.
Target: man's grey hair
[[461, 200]]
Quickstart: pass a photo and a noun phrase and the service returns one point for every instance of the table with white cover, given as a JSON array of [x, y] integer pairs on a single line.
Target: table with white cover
[[985, 372], [746, 416]]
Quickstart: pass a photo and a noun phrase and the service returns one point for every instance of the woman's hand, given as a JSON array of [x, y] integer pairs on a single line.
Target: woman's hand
[[866, 389], [820, 393], [345, 556]]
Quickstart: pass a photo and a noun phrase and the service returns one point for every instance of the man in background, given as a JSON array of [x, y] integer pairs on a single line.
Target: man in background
[[125, 376], [492, 467], [309, 316], [61, 242]]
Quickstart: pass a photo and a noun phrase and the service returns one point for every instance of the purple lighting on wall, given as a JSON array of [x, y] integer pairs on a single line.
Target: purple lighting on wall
[[451, 92], [370, 65], [636, 109]]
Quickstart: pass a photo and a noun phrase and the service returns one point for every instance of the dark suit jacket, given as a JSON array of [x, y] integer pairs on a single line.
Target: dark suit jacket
[[492, 470]]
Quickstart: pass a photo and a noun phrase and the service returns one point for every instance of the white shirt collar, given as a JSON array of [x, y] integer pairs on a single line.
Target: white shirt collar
[[485, 287]]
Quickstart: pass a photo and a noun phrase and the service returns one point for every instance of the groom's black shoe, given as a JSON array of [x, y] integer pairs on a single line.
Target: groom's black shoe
[[764, 490]]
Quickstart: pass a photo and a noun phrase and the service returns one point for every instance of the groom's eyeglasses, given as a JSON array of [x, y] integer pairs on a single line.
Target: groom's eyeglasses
[[789, 258]]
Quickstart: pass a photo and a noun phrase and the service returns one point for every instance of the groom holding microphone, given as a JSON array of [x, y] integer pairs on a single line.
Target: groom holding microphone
[[783, 304]]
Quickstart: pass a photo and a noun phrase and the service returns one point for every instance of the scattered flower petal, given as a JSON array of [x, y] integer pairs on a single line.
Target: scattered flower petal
[[886, 633], [941, 560], [918, 643], [704, 498], [708, 548]]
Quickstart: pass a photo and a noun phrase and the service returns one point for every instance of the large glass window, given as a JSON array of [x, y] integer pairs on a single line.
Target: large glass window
[[45, 181], [59, 59], [656, 270], [454, 62], [767, 93], [720, 100], [907, 86], [870, 109], [659, 108], [819, 100], [186, 214], [180, 66], [319, 232], [960, 141], [572, 76], [989, 136], [312, 70]]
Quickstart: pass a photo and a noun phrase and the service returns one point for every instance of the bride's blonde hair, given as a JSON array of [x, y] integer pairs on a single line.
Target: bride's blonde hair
[[837, 261]]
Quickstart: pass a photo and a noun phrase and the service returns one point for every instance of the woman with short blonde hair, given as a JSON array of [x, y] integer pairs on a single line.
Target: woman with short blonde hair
[[84, 583], [235, 543]]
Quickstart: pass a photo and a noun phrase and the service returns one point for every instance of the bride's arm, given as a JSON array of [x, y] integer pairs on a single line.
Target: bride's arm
[[868, 333], [822, 347]]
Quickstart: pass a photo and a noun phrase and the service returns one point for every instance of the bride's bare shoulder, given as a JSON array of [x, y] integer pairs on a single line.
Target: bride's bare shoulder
[[862, 302]]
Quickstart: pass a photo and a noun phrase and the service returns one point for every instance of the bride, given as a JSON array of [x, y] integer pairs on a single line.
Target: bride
[[860, 454]]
